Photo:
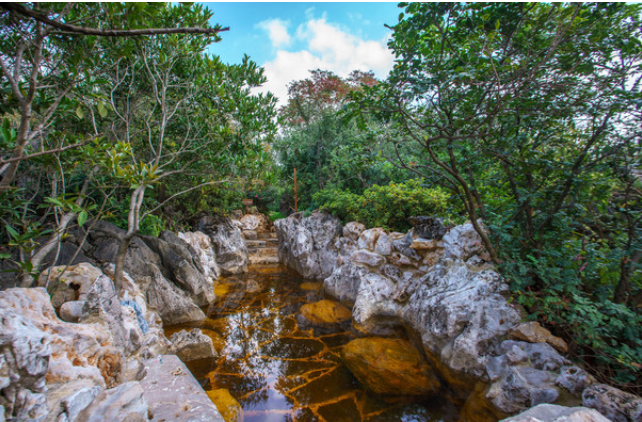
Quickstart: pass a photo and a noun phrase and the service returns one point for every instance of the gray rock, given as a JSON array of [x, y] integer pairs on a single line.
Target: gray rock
[[368, 238], [615, 404], [67, 400], [173, 306], [192, 345], [353, 230], [574, 379], [555, 413], [307, 244], [173, 393], [403, 247], [71, 311], [344, 282], [428, 227], [123, 403], [520, 388], [178, 261], [227, 241], [383, 245], [362, 256], [79, 401]]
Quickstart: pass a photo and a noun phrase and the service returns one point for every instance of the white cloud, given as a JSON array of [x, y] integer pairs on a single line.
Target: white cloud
[[277, 31], [327, 47]]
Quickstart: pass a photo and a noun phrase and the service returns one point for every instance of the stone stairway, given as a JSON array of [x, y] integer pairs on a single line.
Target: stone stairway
[[264, 250]]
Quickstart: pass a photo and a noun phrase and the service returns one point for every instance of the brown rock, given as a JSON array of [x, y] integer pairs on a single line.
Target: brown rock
[[325, 312], [535, 333], [389, 366], [226, 404], [426, 245]]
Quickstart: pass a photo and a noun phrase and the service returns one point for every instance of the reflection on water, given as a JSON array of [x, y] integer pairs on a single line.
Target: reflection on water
[[282, 370]]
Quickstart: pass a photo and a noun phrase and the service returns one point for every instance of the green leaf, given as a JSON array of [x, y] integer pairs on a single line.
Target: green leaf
[[80, 113], [82, 218], [102, 110]]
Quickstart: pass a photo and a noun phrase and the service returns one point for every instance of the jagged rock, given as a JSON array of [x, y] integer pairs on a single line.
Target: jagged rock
[[230, 409], [574, 379], [71, 311], [362, 256], [123, 403], [353, 230], [555, 413], [172, 304], [383, 245], [368, 238], [252, 222], [228, 243], [202, 245], [324, 312], [177, 258], [402, 246], [66, 401], [533, 332], [78, 279], [169, 388], [307, 243], [345, 281], [389, 366], [615, 404], [428, 227], [192, 345]]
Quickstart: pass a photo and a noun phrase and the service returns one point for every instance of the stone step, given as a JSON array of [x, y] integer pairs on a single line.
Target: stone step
[[263, 252], [263, 260], [255, 243], [266, 235]]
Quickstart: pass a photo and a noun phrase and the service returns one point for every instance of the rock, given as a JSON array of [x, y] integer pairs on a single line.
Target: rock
[[172, 304], [520, 388], [353, 230], [371, 259], [574, 379], [228, 406], [426, 245], [368, 238], [228, 243], [533, 332], [192, 345], [202, 245], [383, 245], [325, 312], [344, 282], [173, 393], [389, 366], [250, 235], [66, 401], [402, 246], [78, 278], [307, 243], [123, 403], [39, 339], [555, 413], [428, 227], [178, 262], [615, 404], [71, 311], [251, 222]]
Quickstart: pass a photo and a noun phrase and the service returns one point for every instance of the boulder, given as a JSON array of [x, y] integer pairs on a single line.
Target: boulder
[[383, 245], [77, 278], [253, 222], [307, 243], [71, 311], [192, 345], [353, 230], [533, 332], [428, 227], [123, 403], [178, 261], [368, 238], [172, 392], [325, 312], [365, 257], [67, 400], [389, 366], [555, 413], [228, 243], [230, 409], [613, 403], [344, 282]]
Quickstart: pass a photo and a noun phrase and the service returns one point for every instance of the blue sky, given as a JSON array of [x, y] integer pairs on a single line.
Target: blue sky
[[289, 39]]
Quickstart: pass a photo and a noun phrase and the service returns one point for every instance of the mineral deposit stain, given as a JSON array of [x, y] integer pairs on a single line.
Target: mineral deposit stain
[[279, 368]]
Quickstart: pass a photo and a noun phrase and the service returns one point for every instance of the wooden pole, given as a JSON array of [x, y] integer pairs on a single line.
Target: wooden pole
[[296, 198]]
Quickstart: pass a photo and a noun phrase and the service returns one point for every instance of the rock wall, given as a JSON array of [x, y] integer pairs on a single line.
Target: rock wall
[[307, 244], [228, 243], [444, 290]]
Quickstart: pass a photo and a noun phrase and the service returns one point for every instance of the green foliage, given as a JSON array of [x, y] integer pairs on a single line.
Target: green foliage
[[152, 225], [275, 215], [385, 206]]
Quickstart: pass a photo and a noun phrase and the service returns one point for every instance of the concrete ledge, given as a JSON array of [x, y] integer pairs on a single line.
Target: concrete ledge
[[173, 394]]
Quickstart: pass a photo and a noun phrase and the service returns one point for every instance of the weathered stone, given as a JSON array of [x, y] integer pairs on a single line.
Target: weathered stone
[[172, 304], [520, 388], [78, 278], [426, 245], [325, 312], [173, 393], [177, 259], [228, 406], [615, 404], [123, 403], [533, 332], [228, 243], [400, 260], [71, 311], [192, 345], [555, 413], [250, 235], [307, 244], [368, 238], [383, 245], [344, 281], [428, 227], [67, 400], [389, 366], [253, 222], [574, 379], [353, 230], [362, 256]]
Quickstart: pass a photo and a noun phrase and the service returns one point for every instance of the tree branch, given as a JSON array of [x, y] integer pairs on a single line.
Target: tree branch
[[73, 29]]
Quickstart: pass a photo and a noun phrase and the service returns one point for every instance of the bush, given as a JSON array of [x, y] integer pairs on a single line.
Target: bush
[[385, 206]]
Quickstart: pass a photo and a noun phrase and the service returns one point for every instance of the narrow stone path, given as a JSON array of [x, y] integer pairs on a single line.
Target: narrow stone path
[[262, 245]]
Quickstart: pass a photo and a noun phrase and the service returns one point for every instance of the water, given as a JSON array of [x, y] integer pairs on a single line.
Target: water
[[280, 369]]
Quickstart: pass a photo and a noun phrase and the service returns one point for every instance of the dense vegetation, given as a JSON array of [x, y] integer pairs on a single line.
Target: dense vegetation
[[524, 118]]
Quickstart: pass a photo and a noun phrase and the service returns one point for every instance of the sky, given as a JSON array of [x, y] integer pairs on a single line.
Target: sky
[[290, 39]]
